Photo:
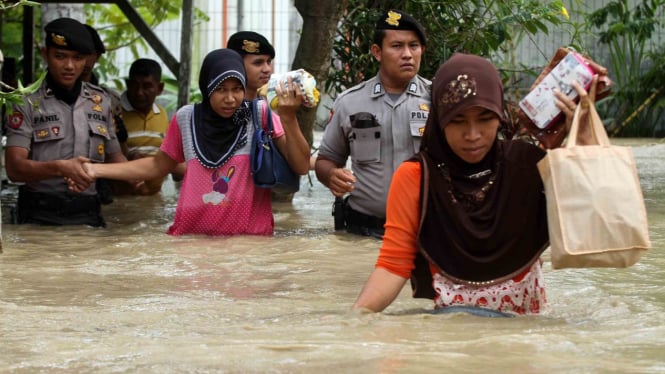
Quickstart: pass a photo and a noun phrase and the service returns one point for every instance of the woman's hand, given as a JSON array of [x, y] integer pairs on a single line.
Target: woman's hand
[[75, 185], [290, 97], [568, 107]]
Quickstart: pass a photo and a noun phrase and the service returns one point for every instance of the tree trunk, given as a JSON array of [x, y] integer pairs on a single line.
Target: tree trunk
[[320, 19]]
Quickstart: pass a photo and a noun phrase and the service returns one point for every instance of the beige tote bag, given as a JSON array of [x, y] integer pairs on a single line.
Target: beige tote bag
[[595, 208]]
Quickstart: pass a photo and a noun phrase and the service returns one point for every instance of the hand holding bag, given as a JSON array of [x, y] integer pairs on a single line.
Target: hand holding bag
[[595, 208], [268, 166]]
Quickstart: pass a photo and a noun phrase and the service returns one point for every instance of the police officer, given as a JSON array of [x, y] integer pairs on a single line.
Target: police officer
[[378, 123], [65, 123], [257, 54]]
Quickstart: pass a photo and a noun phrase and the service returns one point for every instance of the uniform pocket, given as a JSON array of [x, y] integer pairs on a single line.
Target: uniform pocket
[[99, 135], [417, 121], [365, 140]]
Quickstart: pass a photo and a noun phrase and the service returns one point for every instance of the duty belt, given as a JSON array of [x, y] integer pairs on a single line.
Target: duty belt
[[58, 209]]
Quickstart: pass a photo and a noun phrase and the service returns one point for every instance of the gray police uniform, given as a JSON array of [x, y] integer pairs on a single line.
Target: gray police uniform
[[53, 130], [376, 149]]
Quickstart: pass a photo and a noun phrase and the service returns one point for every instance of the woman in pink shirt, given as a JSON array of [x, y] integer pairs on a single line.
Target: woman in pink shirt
[[213, 138]]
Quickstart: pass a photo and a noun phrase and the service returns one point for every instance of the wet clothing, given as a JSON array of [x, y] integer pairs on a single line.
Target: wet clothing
[[52, 129], [523, 293], [62, 209], [379, 143], [484, 221], [469, 234], [220, 200]]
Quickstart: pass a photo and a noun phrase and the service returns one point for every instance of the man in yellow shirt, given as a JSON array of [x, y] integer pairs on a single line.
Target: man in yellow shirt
[[145, 120]]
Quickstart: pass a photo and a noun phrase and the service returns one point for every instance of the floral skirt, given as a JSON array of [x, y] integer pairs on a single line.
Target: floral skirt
[[524, 294]]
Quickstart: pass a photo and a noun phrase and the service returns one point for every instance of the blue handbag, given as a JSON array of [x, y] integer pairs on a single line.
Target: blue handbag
[[268, 166]]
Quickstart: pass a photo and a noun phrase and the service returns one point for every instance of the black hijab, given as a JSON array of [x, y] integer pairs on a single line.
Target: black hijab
[[216, 138], [480, 223]]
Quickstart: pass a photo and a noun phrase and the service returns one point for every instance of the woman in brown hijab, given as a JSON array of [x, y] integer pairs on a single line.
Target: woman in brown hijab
[[466, 218]]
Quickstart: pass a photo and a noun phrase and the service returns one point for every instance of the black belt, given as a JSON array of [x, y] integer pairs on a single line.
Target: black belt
[[356, 222], [58, 209]]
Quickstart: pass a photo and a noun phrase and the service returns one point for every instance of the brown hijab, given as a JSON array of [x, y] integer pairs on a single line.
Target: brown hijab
[[480, 223]]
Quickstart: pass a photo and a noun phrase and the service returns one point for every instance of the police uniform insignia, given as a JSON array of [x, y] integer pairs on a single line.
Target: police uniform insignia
[[421, 130], [97, 99], [100, 149], [423, 107], [250, 46], [15, 120], [377, 88], [58, 40], [393, 18], [102, 130], [55, 130], [41, 134], [413, 87]]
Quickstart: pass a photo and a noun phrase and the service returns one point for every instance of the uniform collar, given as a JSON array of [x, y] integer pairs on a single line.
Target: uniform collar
[[413, 88]]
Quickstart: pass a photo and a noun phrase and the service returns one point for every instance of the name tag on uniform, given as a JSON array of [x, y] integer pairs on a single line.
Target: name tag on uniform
[[417, 120]]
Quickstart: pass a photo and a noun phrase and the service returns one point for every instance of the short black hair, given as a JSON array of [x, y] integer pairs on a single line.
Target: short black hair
[[144, 67]]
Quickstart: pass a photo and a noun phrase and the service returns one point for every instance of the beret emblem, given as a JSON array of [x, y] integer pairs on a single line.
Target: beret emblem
[[393, 18], [58, 39], [250, 46]]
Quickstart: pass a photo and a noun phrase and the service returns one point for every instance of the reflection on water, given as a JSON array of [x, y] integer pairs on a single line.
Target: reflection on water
[[131, 298]]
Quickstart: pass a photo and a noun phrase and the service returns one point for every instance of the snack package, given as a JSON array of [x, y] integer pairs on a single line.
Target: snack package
[[539, 105], [303, 78]]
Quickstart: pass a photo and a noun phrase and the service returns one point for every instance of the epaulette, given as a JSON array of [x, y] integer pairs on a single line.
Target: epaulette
[[352, 89], [91, 87]]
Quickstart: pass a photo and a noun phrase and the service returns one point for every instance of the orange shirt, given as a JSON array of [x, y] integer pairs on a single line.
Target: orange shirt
[[399, 247]]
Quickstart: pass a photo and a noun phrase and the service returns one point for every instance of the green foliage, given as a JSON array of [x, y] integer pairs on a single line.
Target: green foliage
[[8, 4], [170, 95], [636, 64], [482, 27], [16, 96], [12, 28]]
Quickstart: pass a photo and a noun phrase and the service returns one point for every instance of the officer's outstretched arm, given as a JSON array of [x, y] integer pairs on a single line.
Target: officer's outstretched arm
[[21, 169]]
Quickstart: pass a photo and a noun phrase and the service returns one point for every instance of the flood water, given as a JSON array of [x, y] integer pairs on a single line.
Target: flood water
[[130, 298]]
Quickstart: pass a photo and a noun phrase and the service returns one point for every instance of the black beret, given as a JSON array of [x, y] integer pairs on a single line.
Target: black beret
[[68, 33], [249, 42], [96, 40], [398, 20]]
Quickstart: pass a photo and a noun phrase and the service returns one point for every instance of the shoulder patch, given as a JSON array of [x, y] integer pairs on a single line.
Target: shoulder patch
[[15, 120]]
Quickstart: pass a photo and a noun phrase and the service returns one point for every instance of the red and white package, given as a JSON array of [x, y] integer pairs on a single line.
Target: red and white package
[[540, 103]]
